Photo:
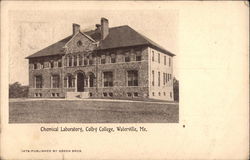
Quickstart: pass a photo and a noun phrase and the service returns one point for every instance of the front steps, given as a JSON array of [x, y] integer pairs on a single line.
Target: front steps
[[77, 95]]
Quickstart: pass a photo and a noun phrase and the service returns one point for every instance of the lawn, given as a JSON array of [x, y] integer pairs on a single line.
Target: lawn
[[81, 111]]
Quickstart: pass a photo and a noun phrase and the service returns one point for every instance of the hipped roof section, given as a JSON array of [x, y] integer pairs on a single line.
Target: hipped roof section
[[118, 37]]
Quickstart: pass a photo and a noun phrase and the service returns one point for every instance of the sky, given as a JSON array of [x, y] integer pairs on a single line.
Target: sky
[[33, 30]]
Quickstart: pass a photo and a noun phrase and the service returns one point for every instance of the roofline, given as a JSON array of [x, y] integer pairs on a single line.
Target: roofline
[[162, 50], [83, 35], [148, 45], [45, 56]]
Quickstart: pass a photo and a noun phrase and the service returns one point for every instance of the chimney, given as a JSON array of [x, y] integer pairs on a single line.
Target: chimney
[[76, 28], [98, 27], [104, 28]]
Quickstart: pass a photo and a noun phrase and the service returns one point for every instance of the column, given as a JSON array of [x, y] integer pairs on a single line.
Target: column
[[77, 60], [73, 60]]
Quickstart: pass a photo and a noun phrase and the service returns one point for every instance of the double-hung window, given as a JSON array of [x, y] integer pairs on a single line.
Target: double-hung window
[[133, 78]]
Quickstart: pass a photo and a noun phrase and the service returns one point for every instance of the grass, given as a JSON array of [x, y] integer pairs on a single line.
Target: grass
[[77, 111]]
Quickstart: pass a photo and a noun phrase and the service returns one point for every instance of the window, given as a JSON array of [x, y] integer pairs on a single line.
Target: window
[[159, 58], [133, 78], [170, 77], [108, 79], [69, 81], [110, 94], [105, 94], [90, 62], [60, 63], [90, 94], [136, 94], [75, 61], [70, 61], [38, 95], [103, 61], [153, 93], [55, 81], [153, 56], [127, 59], [113, 58], [129, 94], [159, 93], [159, 78], [138, 56], [52, 64], [166, 78], [170, 94], [57, 94], [65, 61], [169, 61], [153, 78], [52, 94], [164, 82], [165, 60], [35, 65], [38, 81], [85, 62], [164, 93], [91, 81], [79, 43]]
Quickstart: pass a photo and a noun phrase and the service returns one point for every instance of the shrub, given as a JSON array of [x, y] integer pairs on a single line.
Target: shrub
[[16, 90], [176, 89]]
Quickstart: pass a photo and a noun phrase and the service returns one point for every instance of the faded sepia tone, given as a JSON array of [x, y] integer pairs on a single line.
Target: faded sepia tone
[[211, 46]]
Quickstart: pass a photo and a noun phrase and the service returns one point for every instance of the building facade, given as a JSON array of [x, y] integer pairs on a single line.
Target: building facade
[[115, 62]]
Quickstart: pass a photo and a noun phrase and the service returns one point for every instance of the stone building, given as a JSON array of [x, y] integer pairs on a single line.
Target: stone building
[[116, 62]]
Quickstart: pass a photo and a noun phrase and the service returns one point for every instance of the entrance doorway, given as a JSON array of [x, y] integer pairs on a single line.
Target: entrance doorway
[[80, 82]]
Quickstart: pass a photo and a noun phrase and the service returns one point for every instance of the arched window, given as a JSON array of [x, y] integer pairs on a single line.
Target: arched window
[[91, 80], [70, 61]]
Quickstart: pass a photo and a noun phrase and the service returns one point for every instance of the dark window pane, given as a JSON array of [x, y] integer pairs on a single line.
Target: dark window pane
[[133, 78], [90, 62], [38, 81], [138, 58], [127, 59], [85, 62], [113, 60], [108, 79], [103, 61]]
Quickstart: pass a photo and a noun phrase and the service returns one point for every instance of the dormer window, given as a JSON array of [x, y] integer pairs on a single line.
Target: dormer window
[[79, 43]]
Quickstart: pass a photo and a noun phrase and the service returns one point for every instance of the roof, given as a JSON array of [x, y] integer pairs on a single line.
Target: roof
[[125, 36], [122, 36], [54, 49]]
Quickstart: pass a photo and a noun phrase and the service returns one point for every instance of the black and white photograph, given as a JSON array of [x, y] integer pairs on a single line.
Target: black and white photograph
[[105, 71], [129, 80]]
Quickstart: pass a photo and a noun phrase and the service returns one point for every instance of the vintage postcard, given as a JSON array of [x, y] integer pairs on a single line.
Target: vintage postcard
[[124, 80]]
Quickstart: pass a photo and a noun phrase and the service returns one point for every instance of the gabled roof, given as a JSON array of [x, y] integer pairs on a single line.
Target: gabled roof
[[122, 36]]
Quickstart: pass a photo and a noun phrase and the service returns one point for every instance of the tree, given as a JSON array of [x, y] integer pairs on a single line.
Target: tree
[[176, 89], [16, 90]]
